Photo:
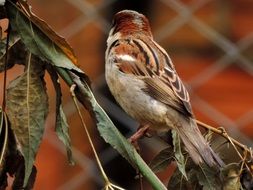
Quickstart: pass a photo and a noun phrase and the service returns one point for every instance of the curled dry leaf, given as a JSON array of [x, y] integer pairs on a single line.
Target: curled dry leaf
[[40, 39], [46, 29], [179, 157], [27, 108], [61, 125]]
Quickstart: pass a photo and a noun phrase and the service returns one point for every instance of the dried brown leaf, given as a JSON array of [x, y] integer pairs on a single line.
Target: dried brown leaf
[[61, 125], [179, 157], [27, 108], [46, 29]]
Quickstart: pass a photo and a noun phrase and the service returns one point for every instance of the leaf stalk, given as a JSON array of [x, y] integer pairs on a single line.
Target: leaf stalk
[[108, 184]]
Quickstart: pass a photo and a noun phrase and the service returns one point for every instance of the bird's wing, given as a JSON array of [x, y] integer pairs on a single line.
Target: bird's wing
[[150, 62]]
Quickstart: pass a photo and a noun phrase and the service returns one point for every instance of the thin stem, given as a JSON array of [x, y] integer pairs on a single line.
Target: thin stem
[[221, 132], [243, 162], [5, 66], [72, 89], [239, 154], [234, 142], [108, 184]]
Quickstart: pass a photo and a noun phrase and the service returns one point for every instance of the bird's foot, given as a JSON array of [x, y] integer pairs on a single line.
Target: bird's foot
[[141, 131]]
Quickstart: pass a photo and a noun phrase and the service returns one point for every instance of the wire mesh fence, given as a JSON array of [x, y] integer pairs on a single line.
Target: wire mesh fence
[[211, 45]]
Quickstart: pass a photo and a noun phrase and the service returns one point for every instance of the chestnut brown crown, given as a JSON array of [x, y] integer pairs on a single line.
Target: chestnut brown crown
[[129, 22]]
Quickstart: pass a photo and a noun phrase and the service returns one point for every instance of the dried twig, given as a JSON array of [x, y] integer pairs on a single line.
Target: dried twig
[[223, 133]]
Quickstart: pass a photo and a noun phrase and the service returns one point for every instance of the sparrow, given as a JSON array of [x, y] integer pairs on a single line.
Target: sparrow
[[144, 82]]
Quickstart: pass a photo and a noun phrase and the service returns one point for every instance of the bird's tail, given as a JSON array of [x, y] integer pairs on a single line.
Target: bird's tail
[[196, 145]]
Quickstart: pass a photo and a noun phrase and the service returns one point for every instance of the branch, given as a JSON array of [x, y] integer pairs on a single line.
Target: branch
[[107, 129], [222, 132]]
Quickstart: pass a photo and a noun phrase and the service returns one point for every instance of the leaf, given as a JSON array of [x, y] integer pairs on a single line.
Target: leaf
[[178, 153], [45, 28], [246, 180], [110, 133], [62, 130], [231, 174], [16, 49], [208, 178], [62, 127], [161, 161], [3, 136], [27, 105], [40, 38], [19, 176], [12, 157], [3, 148], [178, 181]]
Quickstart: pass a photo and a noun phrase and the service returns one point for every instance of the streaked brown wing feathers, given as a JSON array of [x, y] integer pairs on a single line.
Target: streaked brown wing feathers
[[161, 78], [160, 91]]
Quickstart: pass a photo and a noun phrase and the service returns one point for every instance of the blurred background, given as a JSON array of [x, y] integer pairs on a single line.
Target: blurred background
[[211, 45]]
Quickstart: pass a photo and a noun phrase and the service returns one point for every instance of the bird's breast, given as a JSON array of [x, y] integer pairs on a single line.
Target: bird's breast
[[127, 90]]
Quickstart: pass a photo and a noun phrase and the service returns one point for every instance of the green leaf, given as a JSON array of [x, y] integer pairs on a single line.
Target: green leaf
[[180, 159], [62, 127], [62, 130], [40, 38], [110, 133], [27, 105], [161, 161]]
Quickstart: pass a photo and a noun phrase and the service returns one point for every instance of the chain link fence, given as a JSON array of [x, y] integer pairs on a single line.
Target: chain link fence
[[213, 56]]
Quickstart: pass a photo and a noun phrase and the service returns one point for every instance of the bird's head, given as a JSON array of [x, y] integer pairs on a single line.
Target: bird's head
[[128, 22]]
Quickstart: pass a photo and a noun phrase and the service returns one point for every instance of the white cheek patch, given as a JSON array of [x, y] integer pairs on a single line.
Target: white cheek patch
[[125, 57]]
